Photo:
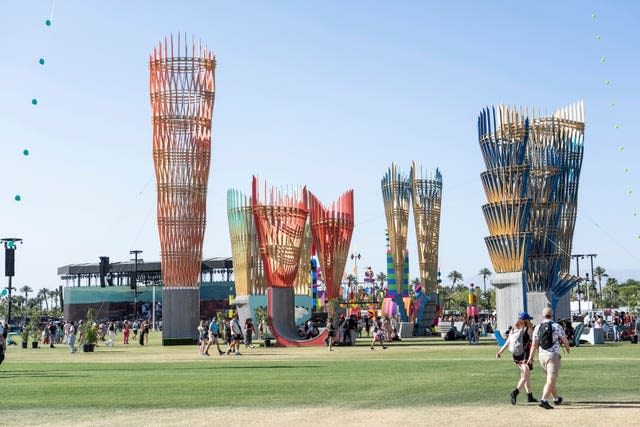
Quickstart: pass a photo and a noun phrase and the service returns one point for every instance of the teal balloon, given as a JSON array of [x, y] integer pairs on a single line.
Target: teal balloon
[[34, 101], [41, 61], [598, 37], [17, 198], [25, 152], [47, 22], [5, 292]]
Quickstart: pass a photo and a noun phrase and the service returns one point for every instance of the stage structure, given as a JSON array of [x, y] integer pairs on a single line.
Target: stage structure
[[396, 196], [332, 229], [426, 196], [530, 211], [182, 88], [280, 224]]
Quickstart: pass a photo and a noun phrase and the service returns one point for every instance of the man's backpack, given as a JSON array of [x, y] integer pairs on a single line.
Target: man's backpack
[[516, 341], [545, 335]]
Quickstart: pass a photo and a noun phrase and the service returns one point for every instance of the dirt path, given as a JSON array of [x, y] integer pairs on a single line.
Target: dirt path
[[574, 414]]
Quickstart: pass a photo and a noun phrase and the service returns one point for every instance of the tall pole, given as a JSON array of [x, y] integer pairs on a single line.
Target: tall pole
[[9, 267], [135, 253], [153, 309], [591, 257]]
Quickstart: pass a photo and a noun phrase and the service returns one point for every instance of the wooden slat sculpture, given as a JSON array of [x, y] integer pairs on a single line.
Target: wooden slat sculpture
[[280, 223], [332, 229], [248, 271], [182, 87], [302, 284], [426, 195], [532, 187], [396, 196], [503, 135]]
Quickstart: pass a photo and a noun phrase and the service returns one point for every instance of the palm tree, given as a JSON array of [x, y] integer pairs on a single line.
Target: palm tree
[[600, 272], [53, 294], [26, 289], [381, 277], [485, 272], [43, 294], [454, 276]]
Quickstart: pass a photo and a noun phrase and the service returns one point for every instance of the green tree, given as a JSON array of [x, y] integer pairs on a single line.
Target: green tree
[[53, 294], [43, 294], [485, 272], [599, 273], [455, 276], [381, 278], [26, 290]]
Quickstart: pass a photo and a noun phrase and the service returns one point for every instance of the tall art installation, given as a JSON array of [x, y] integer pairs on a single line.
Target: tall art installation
[[426, 195], [332, 229], [396, 196], [248, 271], [182, 88], [280, 220], [531, 182]]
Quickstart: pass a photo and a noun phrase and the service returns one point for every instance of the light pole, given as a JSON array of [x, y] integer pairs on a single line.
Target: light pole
[[591, 257], [134, 280], [9, 267]]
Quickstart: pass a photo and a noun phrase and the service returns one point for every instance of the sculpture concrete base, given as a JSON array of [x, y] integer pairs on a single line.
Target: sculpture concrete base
[[509, 298], [180, 315], [538, 301]]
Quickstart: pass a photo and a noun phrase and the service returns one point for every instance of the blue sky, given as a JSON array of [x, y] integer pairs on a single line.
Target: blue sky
[[325, 94]]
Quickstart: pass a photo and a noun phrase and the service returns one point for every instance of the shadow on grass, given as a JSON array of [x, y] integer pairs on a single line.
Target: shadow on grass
[[37, 374], [591, 404]]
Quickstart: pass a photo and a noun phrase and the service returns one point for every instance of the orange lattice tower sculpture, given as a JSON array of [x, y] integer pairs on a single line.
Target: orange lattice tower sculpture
[[280, 223], [182, 86], [332, 229]]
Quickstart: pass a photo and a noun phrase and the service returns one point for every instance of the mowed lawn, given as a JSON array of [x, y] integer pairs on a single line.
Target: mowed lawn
[[416, 373]]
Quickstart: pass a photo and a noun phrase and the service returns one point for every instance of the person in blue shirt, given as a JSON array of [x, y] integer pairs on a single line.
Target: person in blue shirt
[[214, 335]]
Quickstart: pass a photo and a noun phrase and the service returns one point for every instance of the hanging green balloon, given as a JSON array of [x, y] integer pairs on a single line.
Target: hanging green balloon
[[25, 152], [598, 37], [612, 105], [47, 22], [34, 101], [622, 148], [626, 170], [17, 198], [607, 82], [593, 15], [617, 126], [41, 61], [603, 59]]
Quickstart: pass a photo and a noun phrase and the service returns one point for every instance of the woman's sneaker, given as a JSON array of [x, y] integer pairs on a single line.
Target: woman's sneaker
[[544, 404], [557, 401]]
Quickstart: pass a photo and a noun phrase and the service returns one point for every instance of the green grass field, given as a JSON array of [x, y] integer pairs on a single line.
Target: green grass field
[[421, 374]]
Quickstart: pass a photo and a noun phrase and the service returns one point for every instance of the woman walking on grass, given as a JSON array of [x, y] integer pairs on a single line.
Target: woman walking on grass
[[202, 337], [519, 343], [125, 332], [378, 334]]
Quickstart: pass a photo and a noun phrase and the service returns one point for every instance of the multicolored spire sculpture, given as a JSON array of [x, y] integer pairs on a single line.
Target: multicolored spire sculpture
[[533, 167], [182, 89], [396, 196]]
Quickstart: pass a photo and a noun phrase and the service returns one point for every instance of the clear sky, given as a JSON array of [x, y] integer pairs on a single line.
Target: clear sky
[[325, 94]]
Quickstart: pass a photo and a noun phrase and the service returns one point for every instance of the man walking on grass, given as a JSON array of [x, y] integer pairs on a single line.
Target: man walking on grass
[[548, 336]]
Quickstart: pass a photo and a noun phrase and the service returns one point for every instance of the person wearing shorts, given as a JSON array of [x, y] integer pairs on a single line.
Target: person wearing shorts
[[523, 324], [214, 336], [549, 358], [236, 334]]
